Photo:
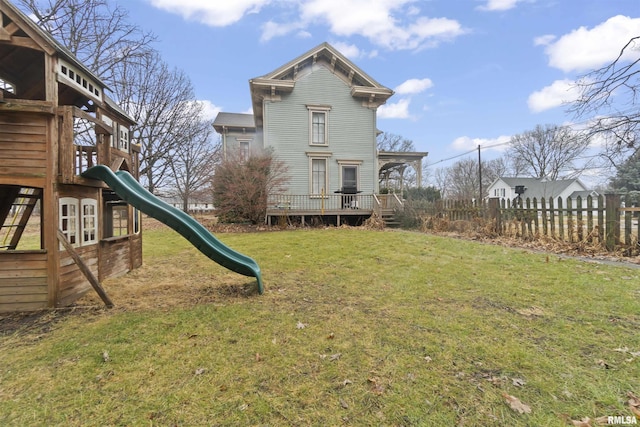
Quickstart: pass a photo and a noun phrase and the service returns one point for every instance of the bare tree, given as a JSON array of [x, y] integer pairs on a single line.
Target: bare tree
[[493, 169], [193, 161], [441, 179], [97, 32], [241, 186], [160, 99], [609, 99], [463, 180], [547, 151]]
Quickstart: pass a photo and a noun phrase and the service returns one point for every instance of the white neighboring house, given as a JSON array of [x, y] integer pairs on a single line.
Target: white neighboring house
[[195, 205], [530, 188]]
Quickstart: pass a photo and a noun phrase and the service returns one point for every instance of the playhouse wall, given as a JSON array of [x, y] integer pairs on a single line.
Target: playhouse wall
[[115, 257], [23, 281], [73, 284], [23, 144]]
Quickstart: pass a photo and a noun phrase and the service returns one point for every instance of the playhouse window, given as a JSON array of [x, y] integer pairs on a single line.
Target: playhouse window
[[69, 219], [119, 220], [136, 220], [89, 221], [124, 138], [108, 121], [7, 86]]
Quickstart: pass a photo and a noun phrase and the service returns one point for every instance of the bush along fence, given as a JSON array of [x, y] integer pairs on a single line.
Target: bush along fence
[[607, 221]]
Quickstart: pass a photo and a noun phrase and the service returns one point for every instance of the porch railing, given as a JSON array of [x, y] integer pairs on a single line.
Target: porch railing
[[319, 205]]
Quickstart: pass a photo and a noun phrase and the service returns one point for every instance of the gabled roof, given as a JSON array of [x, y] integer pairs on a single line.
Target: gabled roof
[[44, 40], [537, 187], [283, 79], [233, 120]]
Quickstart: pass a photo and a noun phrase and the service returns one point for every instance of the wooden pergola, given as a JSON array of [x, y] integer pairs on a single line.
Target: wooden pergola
[[388, 160]]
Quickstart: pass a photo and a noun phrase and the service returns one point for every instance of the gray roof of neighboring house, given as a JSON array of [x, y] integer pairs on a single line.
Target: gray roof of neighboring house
[[541, 187], [584, 194], [233, 120]]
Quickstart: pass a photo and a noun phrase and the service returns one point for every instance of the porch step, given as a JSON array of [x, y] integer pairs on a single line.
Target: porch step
[[389, 218]]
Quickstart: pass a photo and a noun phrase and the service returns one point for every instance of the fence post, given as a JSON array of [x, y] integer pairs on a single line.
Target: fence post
[[612, 215], [627, 221], [494, 214]]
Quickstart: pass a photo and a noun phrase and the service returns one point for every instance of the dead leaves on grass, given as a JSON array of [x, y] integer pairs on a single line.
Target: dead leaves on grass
[[516, 404], [633, 404]]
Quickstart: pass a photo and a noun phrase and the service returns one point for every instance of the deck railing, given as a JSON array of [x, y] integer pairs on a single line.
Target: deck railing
[[319, 205]]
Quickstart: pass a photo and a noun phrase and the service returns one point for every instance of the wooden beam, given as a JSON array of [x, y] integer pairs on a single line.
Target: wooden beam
[[85, 270]]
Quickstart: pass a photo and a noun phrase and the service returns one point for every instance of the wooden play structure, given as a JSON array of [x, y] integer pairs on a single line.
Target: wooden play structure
[[60, 233]]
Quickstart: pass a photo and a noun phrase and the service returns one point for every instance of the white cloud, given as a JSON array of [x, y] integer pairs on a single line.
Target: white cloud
[[413, 86], [351, 51], [209, 109], [558, 93], [544, 40], [399, 110], [498, 5], [272, 29], [392, 24], [584, 49], [466, 143], [214, 13]]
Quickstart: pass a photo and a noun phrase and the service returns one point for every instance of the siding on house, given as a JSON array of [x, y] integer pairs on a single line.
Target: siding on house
[[351, 131]]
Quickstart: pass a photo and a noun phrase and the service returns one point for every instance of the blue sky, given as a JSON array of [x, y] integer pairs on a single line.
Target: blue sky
[[465, 72]]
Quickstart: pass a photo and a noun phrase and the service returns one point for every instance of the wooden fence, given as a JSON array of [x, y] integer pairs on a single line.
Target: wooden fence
[[607, 220]]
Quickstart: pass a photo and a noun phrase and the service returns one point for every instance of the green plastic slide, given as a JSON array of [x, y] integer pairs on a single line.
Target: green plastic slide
[[127, 187]]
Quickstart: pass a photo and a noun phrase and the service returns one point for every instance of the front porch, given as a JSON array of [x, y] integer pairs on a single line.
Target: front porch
[[336, 209]]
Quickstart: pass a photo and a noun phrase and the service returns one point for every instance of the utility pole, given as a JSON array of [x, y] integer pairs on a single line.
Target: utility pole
[[480, 172]]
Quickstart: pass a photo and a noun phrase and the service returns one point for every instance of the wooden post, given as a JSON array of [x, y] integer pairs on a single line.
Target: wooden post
[[545, 224], [601, 209], [494, 214], [590, 218], [85, 270], [552, 217], [560, 220], [570, 221], [612, 214], [579, 220]]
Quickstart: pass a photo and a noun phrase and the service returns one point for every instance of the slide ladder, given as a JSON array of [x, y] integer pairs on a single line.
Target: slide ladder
[[130, 190]]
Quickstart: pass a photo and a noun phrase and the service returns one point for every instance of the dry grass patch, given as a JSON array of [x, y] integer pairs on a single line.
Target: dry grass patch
[[356, 327]]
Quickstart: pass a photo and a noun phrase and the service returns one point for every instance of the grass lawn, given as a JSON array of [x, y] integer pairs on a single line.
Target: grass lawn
[[356, 327]]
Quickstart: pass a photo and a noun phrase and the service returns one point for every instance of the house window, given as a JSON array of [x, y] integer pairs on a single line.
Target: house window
[[318, 176], [318, 125], [319, 128], [349, 176], [69, 219], [89, 209], [244, 151]]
